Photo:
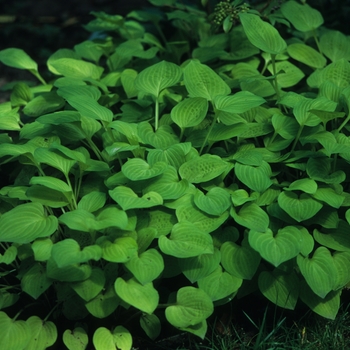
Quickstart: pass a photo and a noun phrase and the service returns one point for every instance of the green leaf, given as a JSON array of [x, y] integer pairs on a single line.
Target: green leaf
[[319, 169], [92, 201], [158, 77], [91, 287], [288, 74], [128, 199], [143, 297], [147, 266], [199, 266], [25, 223], [252, 217], [326, 307], [168, 185], [240, 261], [319, 272], [43, 333], [190, 112], [240, 102], [307, 55], [120, 250], [74, 68], [306, 185], [262, 34], [280, 288], [50, 182], [202, 81], [14, 335], [137, 169], [337, 238], [162, 138], [76, 339], [67, 252], [215, 202], [21, 95], [303, 17], [219, 285], [278, 248], [151, 325], [8, 256], [202, 169], [192, 307], [104, 339], [257, 178], [329, 196], [35, 281], [44, 103], [186, 240], [44, 155], [104, 304], [341, 262], [71, 273], [17, 58], [335, 45], [205, 222], [88, 107], [301, 207]]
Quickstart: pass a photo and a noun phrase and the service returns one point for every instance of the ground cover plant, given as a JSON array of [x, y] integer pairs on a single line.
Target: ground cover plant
[[153, 174]]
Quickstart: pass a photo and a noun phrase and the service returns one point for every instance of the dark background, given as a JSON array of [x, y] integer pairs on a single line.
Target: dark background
[[40, 27]]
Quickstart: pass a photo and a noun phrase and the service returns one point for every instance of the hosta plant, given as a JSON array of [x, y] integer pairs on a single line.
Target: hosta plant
[[150, 176]]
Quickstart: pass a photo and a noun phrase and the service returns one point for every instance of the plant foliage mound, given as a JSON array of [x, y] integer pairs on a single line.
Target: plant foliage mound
[[152, 175]]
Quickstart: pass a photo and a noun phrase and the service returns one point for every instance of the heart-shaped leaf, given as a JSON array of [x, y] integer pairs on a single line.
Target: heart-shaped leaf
[[319, 272], [151, 325], [190, 112], [202, 169], [327, 307], [280, 288], [200, 266], [143, 297], [67, 252], [192, 306], [25, 223], [104, 339], [301, 207], [120, 250], [156, 78], [186, 240], [76, 339], [215, 202], [252, 217], [257, 178], [278, 248], [146, 267], [35, 281], [91, 287], [137, 169], [43, 333], [104, 304], [240, 261], [218, 285], [14, 335]]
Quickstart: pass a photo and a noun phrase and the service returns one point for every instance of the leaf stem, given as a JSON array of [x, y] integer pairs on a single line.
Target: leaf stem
[[156, 117], [209, 132], [273, 62], [297, 138], [344, 123]]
